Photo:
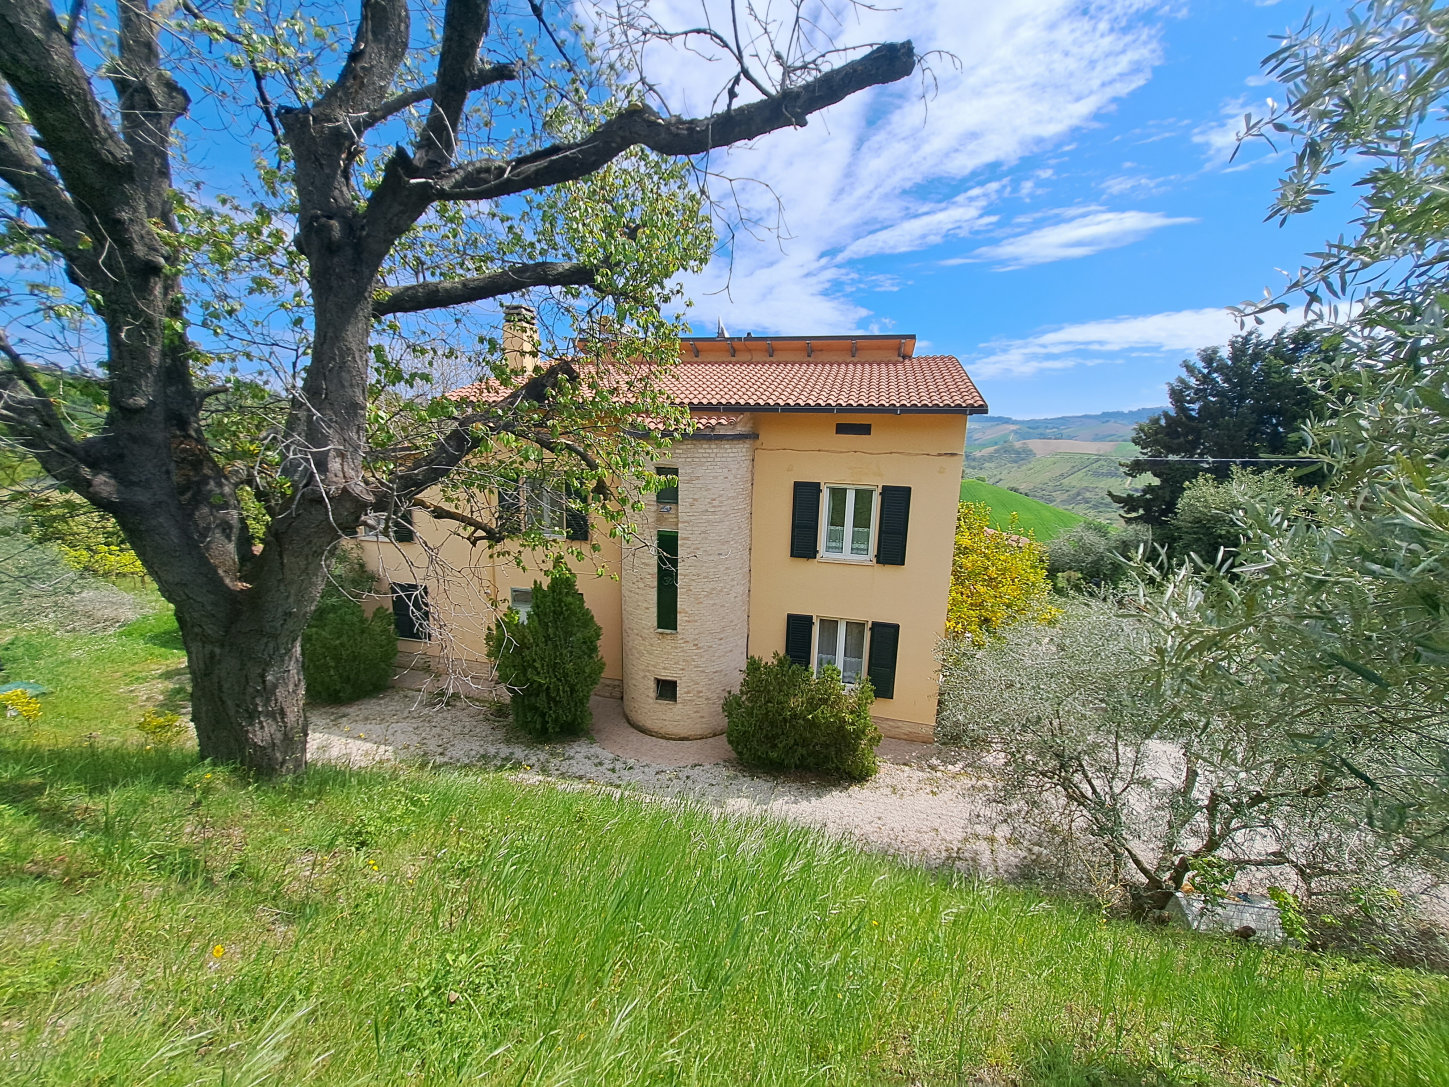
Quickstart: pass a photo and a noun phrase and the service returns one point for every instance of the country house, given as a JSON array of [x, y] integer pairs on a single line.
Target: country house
[[811, 511]]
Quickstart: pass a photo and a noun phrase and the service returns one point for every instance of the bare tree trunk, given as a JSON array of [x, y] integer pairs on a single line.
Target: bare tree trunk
[[247, 697]]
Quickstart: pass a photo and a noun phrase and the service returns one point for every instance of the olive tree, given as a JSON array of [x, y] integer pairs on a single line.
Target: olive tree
[[1083, 744], [1341, 618], [406, 167]]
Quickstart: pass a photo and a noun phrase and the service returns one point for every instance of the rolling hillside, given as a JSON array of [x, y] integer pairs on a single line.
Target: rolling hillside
[[1106, 426], [1069, 461], [1042, 520]]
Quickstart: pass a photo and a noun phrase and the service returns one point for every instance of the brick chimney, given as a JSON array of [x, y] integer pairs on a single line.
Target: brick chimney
[[520, 336]]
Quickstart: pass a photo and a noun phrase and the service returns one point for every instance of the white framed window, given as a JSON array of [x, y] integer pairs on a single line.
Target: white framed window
[[545, 508], [849, 523], [841, 642], [521, 600]]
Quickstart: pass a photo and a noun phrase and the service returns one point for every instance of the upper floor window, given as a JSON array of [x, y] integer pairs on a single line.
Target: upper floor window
[[545, 508], [849, 515], [535, 505], [668, 494], [858, 524]]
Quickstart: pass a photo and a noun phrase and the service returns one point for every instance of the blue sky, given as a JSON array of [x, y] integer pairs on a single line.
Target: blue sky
[[1062, 215]]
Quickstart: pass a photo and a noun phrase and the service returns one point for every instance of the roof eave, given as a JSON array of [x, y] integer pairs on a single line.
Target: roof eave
[[850, 409]]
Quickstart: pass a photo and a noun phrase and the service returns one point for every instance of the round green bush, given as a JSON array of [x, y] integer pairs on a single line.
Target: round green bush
[[348, 654], [785, 719]]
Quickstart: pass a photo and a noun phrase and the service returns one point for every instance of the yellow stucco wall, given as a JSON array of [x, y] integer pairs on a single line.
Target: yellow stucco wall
[[923, 452], [464, 582]]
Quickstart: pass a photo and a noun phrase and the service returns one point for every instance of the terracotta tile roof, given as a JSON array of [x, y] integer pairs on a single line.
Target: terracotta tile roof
[[911, 383], [823, 374]]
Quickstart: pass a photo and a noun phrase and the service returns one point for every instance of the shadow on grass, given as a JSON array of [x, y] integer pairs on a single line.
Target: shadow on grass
[[93, 766]]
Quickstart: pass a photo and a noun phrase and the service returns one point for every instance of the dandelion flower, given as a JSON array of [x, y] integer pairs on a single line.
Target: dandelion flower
[[218, 951]]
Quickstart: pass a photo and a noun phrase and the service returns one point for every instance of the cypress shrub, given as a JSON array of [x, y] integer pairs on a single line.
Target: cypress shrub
[[346, 653], [785, 718], [550, 662]]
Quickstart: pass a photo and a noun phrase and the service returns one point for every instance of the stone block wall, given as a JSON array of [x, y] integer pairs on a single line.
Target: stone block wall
[[706, 655]]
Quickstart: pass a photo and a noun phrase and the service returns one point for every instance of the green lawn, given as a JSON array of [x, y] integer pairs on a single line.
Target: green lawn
[[170, 923], [1037, 517]]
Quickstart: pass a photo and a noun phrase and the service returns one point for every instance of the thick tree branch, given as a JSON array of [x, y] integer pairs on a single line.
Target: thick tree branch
[[465, 22], [471, 430], [485, 76], [412, 297], [23, 170], [93, 162], [641, 126], [377, 52]]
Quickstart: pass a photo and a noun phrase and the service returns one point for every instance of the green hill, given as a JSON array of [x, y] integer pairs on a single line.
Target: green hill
[[1106, 426], [1041, 519], [1071, 481], [1068, 461]]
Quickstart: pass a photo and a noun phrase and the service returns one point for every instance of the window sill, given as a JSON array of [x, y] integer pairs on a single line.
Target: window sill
[[849, 560], [661, 630]]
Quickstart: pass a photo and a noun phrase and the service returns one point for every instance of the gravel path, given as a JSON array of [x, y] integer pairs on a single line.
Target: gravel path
[[921, 806]]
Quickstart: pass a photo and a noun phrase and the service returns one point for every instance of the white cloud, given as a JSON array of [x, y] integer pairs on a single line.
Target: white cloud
[[1177, 334], [885, 172], [1078, 237]]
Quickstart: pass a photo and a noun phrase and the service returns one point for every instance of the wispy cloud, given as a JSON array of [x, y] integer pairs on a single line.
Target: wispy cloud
[[1178, 333], [886, 172], [1078, 237]]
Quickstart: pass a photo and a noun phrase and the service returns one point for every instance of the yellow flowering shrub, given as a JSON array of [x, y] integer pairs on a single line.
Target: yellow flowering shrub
[[20, 704], [998, 578], [103, 560]]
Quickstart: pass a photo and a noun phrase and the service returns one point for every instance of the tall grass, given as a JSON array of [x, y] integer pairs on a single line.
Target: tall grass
[[167, 922]]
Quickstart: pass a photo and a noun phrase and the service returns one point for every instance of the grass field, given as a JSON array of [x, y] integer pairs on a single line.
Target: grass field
[[1040, 519], [169, 923]]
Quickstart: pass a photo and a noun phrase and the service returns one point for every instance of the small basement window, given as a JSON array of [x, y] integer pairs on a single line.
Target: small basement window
[[666, 690], [852, 428]]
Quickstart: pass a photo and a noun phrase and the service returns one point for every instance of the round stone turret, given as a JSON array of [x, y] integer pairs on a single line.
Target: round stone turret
[[675, 680]]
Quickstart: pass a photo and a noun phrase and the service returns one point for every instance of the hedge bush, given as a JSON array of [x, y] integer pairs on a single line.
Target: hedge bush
[[550, 662], [348, 654], [784, 718]]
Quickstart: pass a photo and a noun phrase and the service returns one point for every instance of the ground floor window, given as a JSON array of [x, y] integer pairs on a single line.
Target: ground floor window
[[666, 690], [410, 612], [521, 600], [841, 642]]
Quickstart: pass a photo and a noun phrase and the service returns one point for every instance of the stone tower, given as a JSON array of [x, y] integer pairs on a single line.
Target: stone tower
[[703, 659]]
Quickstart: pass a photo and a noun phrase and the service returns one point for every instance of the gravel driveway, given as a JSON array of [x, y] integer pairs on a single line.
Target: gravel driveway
[[922, 805]]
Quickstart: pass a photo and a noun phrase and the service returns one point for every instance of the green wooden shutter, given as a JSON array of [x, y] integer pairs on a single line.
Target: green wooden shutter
[[410, 611], [799, 633], [666, 588], [895, 520], [576, 516], [805, 521], [402, 525], [510, 507], [885, 638]]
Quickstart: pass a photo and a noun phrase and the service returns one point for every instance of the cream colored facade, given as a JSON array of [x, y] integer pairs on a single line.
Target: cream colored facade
[[737, 580]]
